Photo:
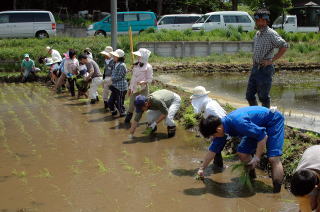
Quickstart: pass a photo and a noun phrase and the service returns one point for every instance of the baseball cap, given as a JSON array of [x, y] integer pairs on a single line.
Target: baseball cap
[[139, 103]]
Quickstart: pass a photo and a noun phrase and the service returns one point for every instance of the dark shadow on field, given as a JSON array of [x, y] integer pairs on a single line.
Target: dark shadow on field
[[94, 111], [4, 178], [103, 119], [76, 104], [148, 138], [233, 189], [121, 125]]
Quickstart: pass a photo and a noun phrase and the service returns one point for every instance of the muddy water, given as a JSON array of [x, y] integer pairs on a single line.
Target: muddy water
[[64, 155], [295, 94]]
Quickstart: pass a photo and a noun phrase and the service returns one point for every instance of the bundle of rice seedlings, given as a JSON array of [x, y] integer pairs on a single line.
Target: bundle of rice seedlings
[[244, 178], [147, 131]]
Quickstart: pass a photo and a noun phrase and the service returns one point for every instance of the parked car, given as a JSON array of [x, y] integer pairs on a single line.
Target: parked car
[[178, 22], [40, 24], [224, 19], [291, 24], [139, 21]]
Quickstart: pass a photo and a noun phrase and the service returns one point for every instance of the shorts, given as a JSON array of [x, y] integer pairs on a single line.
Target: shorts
[[275, 132]]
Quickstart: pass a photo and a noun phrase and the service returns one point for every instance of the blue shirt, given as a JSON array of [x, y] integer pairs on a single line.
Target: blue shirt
[[247, 121]]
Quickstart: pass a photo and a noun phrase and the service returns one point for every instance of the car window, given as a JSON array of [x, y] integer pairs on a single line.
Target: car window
[[21, 17], [202, 19], [120, 18], [193, 19], [182, 20], [130, 17], [167, 20], [230, 19], [214, 18], [41, 17], [4, 18], [243, 19], [143, 16], [291, 20]]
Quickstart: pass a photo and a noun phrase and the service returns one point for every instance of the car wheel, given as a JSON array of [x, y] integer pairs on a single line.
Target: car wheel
[[100, 33], [42, 35]]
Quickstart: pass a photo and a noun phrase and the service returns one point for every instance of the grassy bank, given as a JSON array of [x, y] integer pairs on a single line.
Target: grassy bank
[[304, 46]]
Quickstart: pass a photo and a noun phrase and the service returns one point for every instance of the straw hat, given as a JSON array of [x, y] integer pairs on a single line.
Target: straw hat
[[118, 53], [107, 51], [199, 91]]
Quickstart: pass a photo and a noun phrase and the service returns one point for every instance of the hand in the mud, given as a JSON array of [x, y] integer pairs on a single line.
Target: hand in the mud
[[201, 173], [254, 162]]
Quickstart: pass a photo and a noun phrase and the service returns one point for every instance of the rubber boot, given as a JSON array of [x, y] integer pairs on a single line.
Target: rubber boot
[[253, 102], [276, 187], [252, 174], [218, 161], [171, 131], [97, 98], [128, 118], [92, 101]]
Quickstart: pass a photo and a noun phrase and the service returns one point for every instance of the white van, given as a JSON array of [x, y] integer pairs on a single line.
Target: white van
[[291, 24], [178, 21], [40, 24], [224, 19]]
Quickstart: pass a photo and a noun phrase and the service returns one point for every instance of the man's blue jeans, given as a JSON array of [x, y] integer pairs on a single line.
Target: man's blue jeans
[[260, 82]]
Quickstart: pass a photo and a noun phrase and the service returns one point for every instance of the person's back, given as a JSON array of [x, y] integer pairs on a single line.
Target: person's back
[[305, 181], [162, 95], [257, 115], [95, 67]]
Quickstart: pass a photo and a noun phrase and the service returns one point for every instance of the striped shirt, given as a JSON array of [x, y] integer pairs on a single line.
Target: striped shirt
[[118, 77], [265, 41]]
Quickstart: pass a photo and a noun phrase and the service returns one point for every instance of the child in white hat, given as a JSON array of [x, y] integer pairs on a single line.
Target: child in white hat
[[203, 104]]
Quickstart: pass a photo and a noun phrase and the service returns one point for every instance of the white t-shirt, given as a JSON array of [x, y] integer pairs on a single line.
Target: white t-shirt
[[208, 107], [55, 55]]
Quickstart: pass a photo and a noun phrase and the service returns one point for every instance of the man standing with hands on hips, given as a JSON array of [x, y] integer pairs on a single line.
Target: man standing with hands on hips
[[265, 41]]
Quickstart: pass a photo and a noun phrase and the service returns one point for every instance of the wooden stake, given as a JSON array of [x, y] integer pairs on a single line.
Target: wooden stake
[[131, 45]]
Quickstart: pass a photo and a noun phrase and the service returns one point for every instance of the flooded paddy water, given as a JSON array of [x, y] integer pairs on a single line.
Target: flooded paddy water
[[64, 155], [296, 94]]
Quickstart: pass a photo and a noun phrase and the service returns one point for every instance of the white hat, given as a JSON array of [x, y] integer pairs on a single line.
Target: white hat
[[48, 48], [143, 53], [199, 91], [107, 51], [118, 53]]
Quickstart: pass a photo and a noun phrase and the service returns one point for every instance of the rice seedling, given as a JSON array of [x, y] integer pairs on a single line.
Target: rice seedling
[[19, 174], [102, 168], [151, 165], [126, 153], [44, 173], [127, 167], [244, 178]]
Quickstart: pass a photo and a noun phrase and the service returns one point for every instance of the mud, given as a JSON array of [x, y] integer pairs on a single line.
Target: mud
[[59, 154]]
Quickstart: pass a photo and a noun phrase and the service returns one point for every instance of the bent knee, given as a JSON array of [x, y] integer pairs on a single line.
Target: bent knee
[[274, 160]]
